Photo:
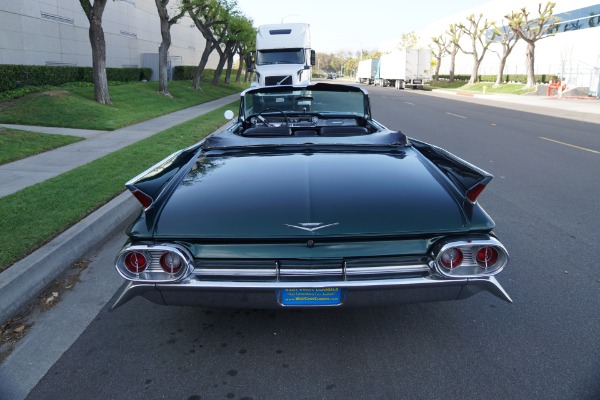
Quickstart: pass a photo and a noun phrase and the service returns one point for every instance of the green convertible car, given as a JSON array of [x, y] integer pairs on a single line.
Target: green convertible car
[[306, 201]]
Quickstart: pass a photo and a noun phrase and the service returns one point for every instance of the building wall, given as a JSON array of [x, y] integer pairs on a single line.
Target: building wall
[[573, 55], [55, 32]]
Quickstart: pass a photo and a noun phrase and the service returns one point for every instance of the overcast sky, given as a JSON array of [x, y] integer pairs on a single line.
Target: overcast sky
[[379, 24], [352, 24]]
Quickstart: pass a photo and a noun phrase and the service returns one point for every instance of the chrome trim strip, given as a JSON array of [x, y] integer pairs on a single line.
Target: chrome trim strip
[[391, 269], [279, 272], [237, 272]]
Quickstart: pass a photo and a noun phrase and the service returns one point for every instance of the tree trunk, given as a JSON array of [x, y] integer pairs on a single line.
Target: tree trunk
[[474, 71], [203, 61], [163, 54], [452, 65], [229, 68], [530, 58], [98, 43], [238, 77], [500, 71], [218, 70], [436, 74]]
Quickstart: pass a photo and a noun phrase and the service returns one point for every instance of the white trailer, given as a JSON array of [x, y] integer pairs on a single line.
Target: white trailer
[[405, 68], [283, 55], [365, 73]]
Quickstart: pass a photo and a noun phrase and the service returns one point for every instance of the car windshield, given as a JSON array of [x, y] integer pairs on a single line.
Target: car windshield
[[305, 100], [280, 56]]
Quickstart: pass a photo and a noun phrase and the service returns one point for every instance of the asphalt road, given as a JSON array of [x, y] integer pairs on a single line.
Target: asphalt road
[[546, 345]]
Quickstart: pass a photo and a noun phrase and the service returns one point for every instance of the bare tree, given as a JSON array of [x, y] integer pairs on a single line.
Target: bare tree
[[532, 30], [408, 41], [440, 48], [246, 44], [163, 51], [227, 32], [476, 29], [206, 14], [96, 33], [455, 35], [245, 40], [508, 40]]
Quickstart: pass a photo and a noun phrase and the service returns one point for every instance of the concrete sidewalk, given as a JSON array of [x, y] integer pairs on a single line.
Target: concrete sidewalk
[[29, 171], [580, 108]]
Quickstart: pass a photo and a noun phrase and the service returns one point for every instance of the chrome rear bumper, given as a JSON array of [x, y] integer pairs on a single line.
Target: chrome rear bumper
[[265, 295]]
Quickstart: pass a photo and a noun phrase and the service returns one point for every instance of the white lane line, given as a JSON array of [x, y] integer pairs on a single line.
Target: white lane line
[[409, 103], [570, 145], [456, 115]]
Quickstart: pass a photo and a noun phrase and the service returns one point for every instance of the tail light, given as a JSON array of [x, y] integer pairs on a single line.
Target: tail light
[[171, 262], [451, 258], [474, 192], [135, 262], [469, 257], [487, 257], [160, 263]]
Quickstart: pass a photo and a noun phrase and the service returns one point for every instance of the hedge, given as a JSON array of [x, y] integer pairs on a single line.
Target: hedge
[[508, 78], [17, 76], [186, 73]]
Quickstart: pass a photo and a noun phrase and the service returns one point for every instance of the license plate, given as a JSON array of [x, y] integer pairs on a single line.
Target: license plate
[[311, 297], [417, 81]]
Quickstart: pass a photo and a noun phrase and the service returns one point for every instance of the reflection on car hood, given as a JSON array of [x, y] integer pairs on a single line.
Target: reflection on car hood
[[307, 195]]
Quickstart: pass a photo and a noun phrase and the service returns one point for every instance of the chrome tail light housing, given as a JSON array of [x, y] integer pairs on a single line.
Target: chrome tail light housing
[[468, 258], [158, 263]]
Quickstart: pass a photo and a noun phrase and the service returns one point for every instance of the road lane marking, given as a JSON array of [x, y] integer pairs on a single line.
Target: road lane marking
[[456, 115], [409, 103], [570, 145]]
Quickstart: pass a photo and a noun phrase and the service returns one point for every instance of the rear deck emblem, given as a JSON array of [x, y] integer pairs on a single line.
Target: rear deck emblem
[[311, 226]]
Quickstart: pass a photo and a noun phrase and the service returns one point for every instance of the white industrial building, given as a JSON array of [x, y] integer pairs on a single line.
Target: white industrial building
[[55, 32], [572, 53]]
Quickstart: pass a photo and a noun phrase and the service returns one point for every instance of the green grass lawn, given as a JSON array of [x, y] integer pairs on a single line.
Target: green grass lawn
[[33, 216], [482, 87], [74, 107], [17, 144]]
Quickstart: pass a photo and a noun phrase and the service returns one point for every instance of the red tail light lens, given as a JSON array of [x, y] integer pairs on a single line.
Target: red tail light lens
[[171, 262], [145, 200], [451, 258], [487, 257], [135, 262], [474, 192]]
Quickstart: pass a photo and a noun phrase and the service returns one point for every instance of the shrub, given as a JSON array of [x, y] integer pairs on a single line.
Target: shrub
[[14, 77], [186, 73]]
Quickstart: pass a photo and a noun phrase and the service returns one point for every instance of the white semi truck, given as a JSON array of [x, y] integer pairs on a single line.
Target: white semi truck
[[283, 55], [405, 68], [365, 73]]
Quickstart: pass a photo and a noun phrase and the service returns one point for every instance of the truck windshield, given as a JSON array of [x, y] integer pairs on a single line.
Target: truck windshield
[[280, 56]]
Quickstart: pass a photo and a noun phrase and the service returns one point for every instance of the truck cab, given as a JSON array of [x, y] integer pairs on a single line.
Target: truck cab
[[283, 55]]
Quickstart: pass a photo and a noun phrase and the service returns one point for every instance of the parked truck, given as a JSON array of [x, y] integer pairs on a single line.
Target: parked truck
[[365, 73], [405, 68], [283, 55]]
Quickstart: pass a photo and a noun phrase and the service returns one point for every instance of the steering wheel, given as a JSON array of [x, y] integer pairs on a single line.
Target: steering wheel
[[264, 120]]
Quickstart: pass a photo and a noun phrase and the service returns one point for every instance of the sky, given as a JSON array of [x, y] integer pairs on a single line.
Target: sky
[[355, 25], [371, 25]]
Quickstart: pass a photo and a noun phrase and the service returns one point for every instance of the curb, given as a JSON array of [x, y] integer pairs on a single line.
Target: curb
[[23, 280]]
